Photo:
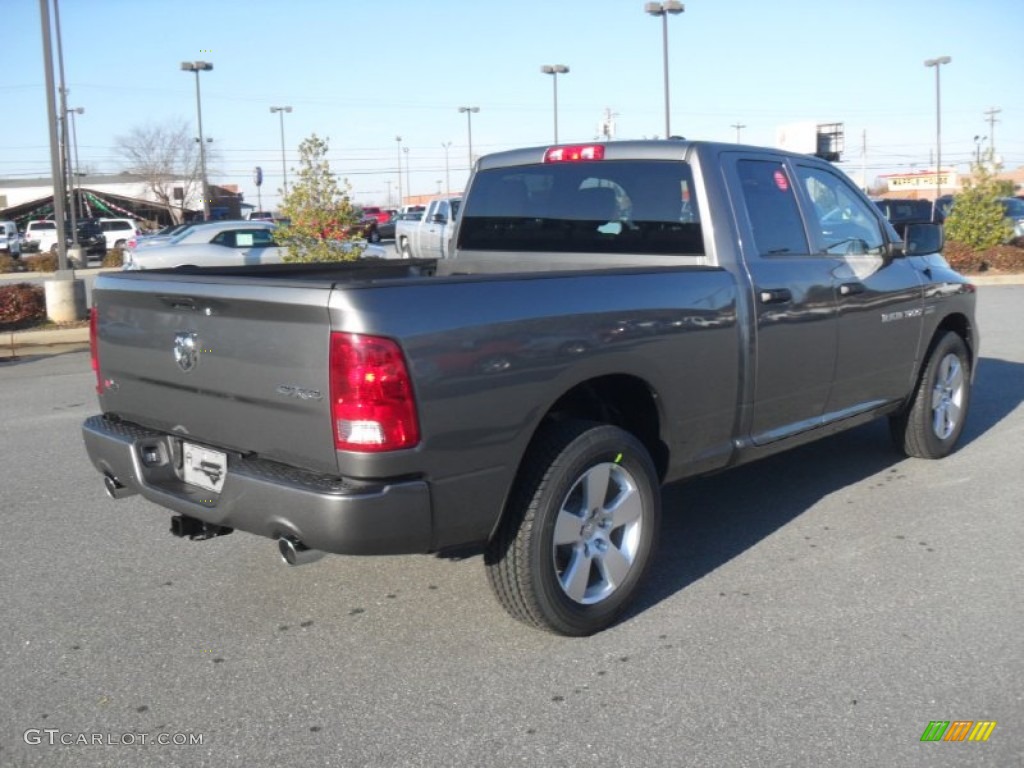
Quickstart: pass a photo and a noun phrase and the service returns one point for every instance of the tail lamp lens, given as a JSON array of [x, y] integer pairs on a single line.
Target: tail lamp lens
[[94, 355], [372, 403]]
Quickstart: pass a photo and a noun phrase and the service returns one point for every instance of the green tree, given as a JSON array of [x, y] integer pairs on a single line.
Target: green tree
[[323, 223], [977, 219]]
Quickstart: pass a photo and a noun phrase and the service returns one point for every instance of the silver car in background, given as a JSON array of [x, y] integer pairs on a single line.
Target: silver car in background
[[219, 244]]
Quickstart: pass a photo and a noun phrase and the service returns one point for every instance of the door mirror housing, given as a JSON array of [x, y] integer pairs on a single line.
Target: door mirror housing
[[923, 239]]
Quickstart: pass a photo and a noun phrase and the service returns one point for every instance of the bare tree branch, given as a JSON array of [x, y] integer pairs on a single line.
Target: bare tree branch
[[165, 156]]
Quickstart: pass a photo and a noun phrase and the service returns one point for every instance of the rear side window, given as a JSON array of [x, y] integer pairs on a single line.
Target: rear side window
[[771, 207], [615, 207]]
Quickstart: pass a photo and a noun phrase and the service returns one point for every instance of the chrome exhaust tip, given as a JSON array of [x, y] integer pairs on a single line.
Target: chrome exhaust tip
[[115, 489], [294, 552]]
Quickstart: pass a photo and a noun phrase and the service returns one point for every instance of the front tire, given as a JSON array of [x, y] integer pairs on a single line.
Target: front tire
[[930, 425], [578, 532]]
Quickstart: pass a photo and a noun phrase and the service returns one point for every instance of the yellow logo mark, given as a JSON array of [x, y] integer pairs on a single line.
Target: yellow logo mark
[[982, 730]]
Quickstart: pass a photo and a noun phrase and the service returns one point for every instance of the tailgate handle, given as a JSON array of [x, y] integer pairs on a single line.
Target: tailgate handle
[[179, 302]]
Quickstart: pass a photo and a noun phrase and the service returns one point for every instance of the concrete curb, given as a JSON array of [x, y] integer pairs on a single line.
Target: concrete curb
[[997, 279]]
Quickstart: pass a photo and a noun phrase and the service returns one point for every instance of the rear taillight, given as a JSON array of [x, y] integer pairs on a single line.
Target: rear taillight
[[574, 153], [372, 403], [94, 355]]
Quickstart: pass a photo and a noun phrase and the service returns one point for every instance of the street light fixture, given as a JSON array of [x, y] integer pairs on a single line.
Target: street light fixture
[[664, 9], [937, 63], [555, 70], [978, 141], [197, 67], [469, 129], [401, 201], [447, 177], [284, 165]]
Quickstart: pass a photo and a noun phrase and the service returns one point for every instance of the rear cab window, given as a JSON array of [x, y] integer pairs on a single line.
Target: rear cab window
[[626, 207]]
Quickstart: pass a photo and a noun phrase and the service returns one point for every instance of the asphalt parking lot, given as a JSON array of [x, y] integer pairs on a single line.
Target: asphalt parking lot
[[819, 608]]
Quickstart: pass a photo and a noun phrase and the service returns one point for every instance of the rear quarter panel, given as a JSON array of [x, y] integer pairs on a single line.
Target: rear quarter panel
[[490, 356]]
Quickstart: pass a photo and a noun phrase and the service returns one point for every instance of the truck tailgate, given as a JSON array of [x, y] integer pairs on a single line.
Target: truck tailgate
[[234, 364]]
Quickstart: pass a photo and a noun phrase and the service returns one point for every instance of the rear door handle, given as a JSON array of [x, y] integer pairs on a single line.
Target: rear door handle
[[848, 289], [775, 295]]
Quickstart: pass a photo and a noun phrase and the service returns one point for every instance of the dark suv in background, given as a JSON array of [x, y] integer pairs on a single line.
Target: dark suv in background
[[901, 212], [91, 238]]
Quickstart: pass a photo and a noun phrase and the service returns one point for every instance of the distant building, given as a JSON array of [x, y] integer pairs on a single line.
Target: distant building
[[921, 184], [114, 196]]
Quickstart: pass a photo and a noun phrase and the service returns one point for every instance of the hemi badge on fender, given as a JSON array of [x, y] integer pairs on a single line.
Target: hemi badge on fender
[[888, 317]]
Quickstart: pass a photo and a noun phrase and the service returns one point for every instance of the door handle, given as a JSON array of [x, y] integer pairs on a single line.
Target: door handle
[[848, 289], [775, 295]]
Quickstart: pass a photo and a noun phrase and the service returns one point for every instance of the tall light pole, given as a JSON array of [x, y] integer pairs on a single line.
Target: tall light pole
[[664, 9], [447, 177], [469, 129], [739, 127], [408, 184], [555, 70], [401, 202], [284, 165], [65, 150], [197, 67], [55, 161], [76, 186], [937, 63]]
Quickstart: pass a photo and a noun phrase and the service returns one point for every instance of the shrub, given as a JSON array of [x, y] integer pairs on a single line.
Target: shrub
[[21, 304], [8, 263], [323, 221], [44, 262], [977, 219], [114, 258]]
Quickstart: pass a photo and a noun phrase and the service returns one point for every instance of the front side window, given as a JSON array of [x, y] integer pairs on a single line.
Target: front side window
[[614, 207], [841, 221]]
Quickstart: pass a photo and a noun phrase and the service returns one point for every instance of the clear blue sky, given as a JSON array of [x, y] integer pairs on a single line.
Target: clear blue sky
[[361, 73]]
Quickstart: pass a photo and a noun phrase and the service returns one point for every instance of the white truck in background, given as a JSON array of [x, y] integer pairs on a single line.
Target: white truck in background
[[429, 236]]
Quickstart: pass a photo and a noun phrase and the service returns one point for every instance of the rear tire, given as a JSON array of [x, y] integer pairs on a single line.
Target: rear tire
[[932, 421], [578, 531], [404, 250]]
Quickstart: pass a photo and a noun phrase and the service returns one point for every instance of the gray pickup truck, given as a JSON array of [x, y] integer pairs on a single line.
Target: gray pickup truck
[[612, 317], [428, 236]]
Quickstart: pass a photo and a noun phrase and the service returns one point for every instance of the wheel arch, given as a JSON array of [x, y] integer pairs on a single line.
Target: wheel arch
[[623, 400], [961, 325]]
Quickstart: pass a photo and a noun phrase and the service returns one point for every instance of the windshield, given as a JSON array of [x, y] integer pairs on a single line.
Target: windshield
[[622, 207], [181, 235]]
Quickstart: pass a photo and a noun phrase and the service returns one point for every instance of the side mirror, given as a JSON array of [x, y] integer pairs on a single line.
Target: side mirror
[[923, 239], [440, 218]]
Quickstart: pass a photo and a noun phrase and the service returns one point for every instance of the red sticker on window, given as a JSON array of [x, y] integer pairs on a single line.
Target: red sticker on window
[[781, 181]]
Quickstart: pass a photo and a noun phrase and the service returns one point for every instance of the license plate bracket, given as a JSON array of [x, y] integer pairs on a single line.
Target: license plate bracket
[[204, 467]]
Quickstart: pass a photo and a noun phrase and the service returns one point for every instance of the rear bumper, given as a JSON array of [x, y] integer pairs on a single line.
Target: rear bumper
[[266, 498]]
